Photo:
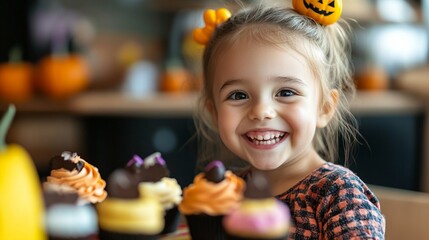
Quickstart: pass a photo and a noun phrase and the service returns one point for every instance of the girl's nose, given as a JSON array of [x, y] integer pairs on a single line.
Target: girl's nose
[[262, 110]]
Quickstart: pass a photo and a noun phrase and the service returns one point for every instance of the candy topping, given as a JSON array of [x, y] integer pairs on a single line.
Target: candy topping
[[136, 160], [68, 156], [68, 161], [160, 160], [135, 164], [215, 171], [150, 169], [121, 184], [150, 160]]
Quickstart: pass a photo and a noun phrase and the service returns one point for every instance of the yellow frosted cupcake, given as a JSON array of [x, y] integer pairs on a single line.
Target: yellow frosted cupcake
[[126, 214], [155, 182]]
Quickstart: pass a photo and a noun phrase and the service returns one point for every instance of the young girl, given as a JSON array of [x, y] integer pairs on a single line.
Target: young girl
[[277, 87]]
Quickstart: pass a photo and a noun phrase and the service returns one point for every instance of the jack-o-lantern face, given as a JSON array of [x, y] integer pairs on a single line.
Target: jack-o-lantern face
[[323, 11]]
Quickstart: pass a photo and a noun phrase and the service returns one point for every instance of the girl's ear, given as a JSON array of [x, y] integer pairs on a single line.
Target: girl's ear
[[328, 109]]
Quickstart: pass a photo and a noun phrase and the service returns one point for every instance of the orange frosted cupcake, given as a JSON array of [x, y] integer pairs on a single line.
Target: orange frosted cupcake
[[213, 194], [70, 170]]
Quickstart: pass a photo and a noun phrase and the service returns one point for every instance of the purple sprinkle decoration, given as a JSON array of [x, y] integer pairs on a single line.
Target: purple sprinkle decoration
[[135, 160], [160, 160], [213, 164]]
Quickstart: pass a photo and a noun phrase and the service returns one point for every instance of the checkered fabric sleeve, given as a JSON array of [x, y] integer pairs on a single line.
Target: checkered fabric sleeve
[[334, 203]]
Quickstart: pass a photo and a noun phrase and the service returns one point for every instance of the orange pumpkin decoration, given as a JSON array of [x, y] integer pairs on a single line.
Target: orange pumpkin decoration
[[16, 79], [176, 79], [372, 79], [324, 12], [16, 82], [60, 77]]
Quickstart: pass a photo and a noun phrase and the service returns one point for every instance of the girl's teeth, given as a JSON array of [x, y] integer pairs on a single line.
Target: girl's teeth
[[267, 138], [267, 142]]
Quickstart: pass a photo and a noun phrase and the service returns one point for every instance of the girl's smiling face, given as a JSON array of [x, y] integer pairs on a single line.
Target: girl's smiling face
[[266, 104]]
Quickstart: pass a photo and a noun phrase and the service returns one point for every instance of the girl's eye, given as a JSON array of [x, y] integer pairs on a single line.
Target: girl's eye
[[237, 96], [285, 93]]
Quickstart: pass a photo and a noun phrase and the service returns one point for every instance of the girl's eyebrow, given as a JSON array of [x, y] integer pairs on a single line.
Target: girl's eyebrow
[[229, 82], [277, 78], [291, 80]]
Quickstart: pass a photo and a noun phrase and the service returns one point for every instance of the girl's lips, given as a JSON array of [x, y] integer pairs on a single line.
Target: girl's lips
[[265, 138]]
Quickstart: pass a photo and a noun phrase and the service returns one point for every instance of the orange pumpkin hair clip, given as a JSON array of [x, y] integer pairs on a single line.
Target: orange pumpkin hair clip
[[325, 12], [212, 19]]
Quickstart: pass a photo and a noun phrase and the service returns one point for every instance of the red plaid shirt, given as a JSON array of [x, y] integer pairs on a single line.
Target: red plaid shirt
[[333, 203]]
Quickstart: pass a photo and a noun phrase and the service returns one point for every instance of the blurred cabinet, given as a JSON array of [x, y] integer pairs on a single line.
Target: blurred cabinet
[[113, 140], [390, 151]]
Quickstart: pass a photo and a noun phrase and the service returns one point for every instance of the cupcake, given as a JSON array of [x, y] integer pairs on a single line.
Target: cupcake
[[155, 182], [70, 170], [65, 218], [260, 216], [213, 194], [126, 214]]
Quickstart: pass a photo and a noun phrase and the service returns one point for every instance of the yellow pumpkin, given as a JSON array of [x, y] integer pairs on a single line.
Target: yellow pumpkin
[[324, 12]]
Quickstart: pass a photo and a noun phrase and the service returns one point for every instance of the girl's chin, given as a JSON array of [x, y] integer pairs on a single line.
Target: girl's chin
[[265, 166]]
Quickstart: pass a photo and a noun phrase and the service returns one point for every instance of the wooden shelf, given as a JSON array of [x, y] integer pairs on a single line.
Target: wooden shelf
[[385, 102], [183, 105], [117, 103]]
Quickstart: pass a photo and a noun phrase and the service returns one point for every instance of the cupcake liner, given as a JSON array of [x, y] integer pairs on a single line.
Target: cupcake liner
[[92, 237], [107, 235], [231, 237], [172, 217], [205, 227]]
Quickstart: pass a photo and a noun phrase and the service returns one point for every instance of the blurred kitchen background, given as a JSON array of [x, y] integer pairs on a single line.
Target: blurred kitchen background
[[143, 71]]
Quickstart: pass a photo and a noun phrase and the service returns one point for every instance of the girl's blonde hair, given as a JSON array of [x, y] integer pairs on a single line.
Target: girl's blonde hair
[[327, 51]]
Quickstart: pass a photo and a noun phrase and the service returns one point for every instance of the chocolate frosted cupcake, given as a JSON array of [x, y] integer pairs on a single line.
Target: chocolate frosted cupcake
[[69, 169], [260, 216], [155, 182], [126, 214], [213, 194], [64, 217]]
